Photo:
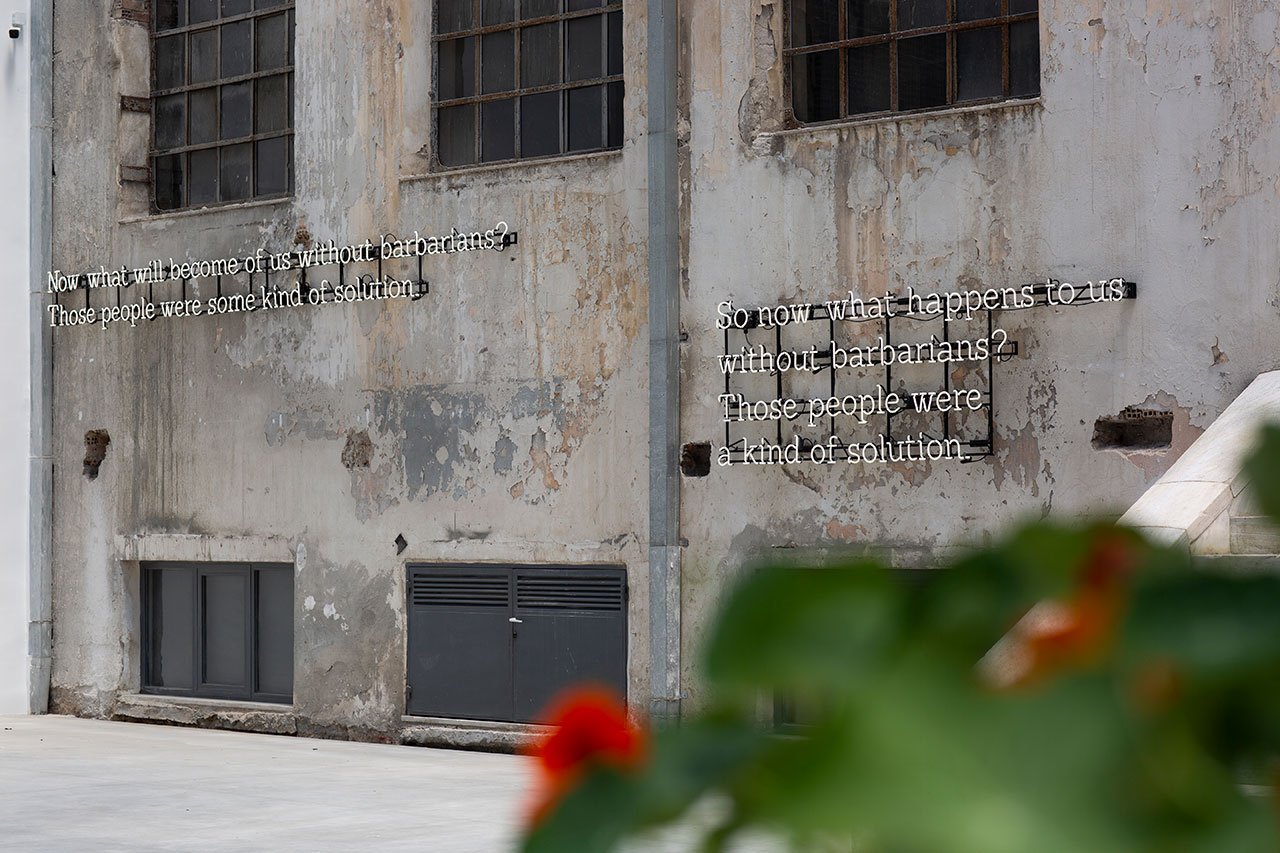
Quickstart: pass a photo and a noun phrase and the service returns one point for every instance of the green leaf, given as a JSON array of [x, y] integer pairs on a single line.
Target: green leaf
[[1263, 469]]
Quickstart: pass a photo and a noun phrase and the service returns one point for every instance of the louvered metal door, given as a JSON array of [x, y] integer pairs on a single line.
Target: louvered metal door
[[459, 642], [498, 643], [572, 629]]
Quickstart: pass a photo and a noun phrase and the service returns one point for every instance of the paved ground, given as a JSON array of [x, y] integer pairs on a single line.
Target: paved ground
[[68, 784]]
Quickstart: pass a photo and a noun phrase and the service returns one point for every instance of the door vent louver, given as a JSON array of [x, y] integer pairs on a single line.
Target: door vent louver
[[456, 589], [606, 594]]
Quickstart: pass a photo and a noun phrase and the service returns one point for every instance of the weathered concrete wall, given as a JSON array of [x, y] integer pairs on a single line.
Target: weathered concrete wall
[[501, 418], [1152, 154]]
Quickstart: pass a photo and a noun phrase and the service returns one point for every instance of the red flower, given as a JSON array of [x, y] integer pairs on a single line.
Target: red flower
[[590, 728], [1056, 636]]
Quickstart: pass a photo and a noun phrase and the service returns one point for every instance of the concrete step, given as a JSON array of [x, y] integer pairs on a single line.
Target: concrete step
[[1247, 564], [1254, 534]]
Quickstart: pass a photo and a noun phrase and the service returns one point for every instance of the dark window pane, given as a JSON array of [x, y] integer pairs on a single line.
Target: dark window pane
[[578, 5], [236, 175], [815, 86], [615, 129], [456, 127], [1018, 7], [1024, 59], [540, 124], [237, 58], [171, 121], [169, 175], [615, 43], [979, 57], [868, 79], [538, 8], [497, 11], [814, 21], [224, 629], [275, 631], [271, 43], [204, 56], [583, 54], [498, 130], [976, 10], [170, 613], [170, 59], [268, 4], [586, 118], [921, 13], [540, 55], [922, 72], [457, 68], [235, 7], [170, 14], [203, 122], [453, 15], [498, 62], [868, 17], [204, 177], [203, 10], [271, 104], [237, 117], [272, 163]]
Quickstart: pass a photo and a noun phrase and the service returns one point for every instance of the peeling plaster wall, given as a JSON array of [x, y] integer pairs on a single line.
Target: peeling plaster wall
[[1153, 154], [501, 418]]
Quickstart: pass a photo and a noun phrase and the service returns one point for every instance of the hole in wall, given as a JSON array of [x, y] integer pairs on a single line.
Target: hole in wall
[[695, 459], [358, 452], [96, 442], [1135, 428]]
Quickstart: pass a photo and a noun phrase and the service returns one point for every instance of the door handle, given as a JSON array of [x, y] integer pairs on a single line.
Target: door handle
[[514, 621]]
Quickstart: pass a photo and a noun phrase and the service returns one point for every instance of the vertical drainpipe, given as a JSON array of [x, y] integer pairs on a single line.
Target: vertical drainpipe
[[40, 509], [664, 362]]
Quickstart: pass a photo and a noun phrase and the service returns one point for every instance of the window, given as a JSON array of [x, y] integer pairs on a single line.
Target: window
[[218, 630], [519, 79], [221, 101], [851, 58]]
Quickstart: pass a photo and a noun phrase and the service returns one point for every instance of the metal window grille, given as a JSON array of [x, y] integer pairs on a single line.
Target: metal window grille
[[221, 101], [863, 58], [523, 79]]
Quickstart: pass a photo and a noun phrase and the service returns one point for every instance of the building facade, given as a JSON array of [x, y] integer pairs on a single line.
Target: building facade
[[391, 393]]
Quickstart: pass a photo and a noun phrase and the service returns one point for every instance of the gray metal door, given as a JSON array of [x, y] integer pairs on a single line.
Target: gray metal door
[[497, 642]]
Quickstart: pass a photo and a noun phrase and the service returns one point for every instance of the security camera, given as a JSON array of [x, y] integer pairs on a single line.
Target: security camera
[[15, 31]]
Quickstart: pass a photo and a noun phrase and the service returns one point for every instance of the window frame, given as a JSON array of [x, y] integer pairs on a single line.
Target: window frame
[[288, 71], [201, 689], [892, 38], [477, 31]]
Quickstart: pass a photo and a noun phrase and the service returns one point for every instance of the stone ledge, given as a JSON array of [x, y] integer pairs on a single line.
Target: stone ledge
[[467, 734], [206, 713], [196, 548]]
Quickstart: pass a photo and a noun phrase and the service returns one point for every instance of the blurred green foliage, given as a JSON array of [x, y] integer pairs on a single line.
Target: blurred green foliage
[[1123, 715]]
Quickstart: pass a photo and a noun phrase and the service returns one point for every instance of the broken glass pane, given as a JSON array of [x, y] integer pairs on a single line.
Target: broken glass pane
[[922, 72], [979, 61], [498, 130], [868, 79], [540, 124], [815, 86]]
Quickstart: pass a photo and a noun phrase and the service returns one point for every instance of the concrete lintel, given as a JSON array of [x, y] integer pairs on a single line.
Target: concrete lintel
[[191, 547]]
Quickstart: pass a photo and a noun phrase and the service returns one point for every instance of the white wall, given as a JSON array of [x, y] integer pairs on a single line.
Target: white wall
[[15, 395]]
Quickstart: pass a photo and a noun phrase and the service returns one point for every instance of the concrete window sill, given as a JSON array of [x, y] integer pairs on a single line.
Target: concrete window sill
[[901, 118]]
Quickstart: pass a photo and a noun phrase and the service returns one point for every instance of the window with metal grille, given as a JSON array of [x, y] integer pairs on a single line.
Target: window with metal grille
[[218, 630], [522, 79], [862, 58], [221, 101]]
